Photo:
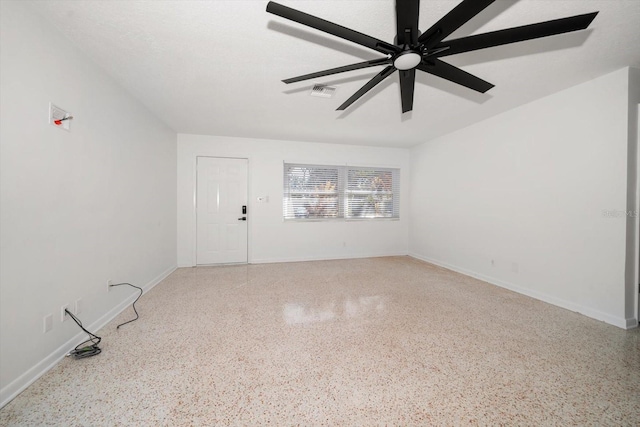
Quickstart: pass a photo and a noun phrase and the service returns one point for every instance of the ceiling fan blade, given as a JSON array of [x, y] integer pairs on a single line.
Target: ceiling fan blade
[[517, 34], [452, 21], [407, 12], [367, 87], [359, 65], [331, 28], [407, 84], [455, 75]]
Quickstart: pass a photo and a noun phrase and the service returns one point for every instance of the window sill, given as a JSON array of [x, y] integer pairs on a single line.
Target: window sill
[[302, 220]]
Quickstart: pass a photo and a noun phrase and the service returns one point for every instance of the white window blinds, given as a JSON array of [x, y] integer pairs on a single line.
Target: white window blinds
[[372, 193], [326, 192]]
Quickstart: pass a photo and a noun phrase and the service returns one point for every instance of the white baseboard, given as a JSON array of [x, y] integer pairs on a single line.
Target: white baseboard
[[325, 258], [310, 258], [587, 311], [17, 386]]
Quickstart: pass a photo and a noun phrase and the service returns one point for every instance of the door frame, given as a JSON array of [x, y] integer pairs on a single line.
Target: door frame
[[636, 272], [194, 213]]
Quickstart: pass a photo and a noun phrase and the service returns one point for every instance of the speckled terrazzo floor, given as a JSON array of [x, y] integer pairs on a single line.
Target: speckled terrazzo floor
[[383, 341]]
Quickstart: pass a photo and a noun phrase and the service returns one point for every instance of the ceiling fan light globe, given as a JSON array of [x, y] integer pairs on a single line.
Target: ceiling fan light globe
[[407, 61]]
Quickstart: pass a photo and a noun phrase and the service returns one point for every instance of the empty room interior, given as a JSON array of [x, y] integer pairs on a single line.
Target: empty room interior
[[319, 212]]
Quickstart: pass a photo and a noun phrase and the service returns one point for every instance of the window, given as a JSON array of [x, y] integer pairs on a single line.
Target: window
[[327, 192], [311, 192]]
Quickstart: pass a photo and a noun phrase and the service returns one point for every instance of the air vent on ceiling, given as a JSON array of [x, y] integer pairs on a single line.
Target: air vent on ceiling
[[322, 91]]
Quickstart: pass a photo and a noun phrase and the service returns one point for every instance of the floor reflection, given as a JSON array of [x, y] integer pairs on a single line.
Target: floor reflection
[[298, 313]]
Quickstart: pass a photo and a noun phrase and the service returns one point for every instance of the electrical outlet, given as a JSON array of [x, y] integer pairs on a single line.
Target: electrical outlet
[[514, 267], [109, 283], [47, 323], [78, 307], [63, 313]]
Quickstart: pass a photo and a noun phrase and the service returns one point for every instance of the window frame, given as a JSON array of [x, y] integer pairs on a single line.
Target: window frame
[[343, 193]]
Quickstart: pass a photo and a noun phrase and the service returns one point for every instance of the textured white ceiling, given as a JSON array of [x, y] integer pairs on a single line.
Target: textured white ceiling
[[215, 67]]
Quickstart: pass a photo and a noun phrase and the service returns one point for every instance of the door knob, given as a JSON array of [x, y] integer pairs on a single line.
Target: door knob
[[244, 218]]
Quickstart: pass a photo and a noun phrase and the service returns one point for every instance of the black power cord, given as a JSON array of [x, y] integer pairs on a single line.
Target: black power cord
[[90, 347], [84, 349], [134, 303]]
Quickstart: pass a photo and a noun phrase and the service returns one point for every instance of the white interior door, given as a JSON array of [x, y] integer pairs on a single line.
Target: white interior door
[[221, 193]]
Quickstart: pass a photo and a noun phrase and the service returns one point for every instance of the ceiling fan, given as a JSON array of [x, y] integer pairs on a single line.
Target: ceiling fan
[[413, 50]]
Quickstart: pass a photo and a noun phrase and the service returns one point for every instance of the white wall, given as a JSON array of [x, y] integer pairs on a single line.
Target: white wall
[[78, 208], [633, 198], [518, 199], [270, 238]]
